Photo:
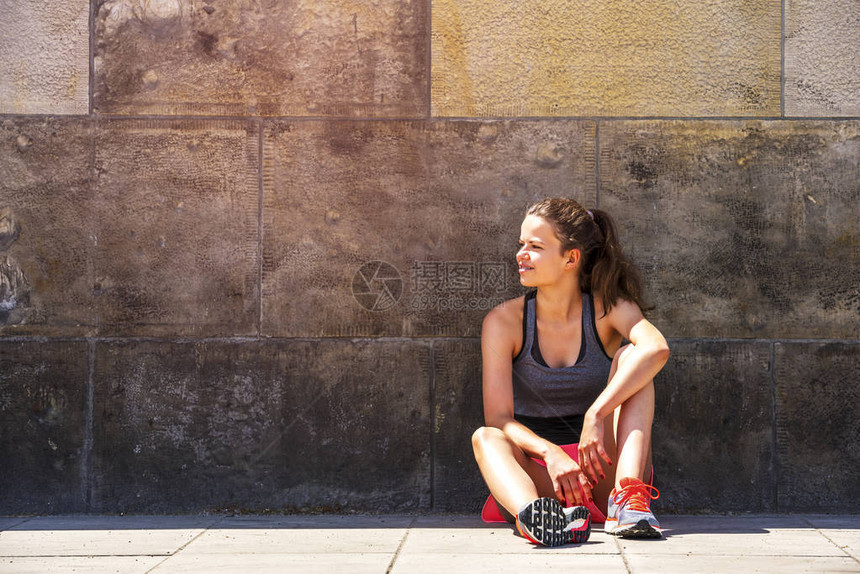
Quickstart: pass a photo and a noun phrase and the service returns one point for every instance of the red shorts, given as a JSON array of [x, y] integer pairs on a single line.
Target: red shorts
[[491, 512]]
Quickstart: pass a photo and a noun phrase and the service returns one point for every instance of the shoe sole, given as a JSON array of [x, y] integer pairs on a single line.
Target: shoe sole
[[641, 529], [546, 522], [609, 526]]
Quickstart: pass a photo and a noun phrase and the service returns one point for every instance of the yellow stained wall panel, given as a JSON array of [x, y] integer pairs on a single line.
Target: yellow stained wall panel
[[605, 58], [44, 57], [822, 67]]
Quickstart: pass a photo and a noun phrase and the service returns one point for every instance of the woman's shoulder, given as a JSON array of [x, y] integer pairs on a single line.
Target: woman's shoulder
[[506, 315], [620, 306], [502, 329], [614, 326]]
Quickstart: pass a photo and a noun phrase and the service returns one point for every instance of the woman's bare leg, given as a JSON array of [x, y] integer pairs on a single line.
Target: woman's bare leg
[[633, 420], [514, 479], [633, 432], [627, 436], [600, 493]]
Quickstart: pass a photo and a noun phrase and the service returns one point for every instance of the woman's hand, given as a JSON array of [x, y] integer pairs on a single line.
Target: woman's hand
[[570, 484], [591, 449]]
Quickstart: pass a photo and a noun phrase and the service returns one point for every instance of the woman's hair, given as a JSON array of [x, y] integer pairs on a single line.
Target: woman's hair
[[605, 270]]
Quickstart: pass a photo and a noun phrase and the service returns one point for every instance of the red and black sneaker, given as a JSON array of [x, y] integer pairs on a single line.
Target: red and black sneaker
[[545, 521]]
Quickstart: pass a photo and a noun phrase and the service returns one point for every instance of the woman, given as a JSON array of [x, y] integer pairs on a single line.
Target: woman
[[555, 375]]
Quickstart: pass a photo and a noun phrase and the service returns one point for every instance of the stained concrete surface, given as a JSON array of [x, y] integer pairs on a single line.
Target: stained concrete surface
[[158, 235], [46, 190], [43, 416], [44, 57], [818, 425], [822, 71], [742, 229], [296, 58], [176, 228], [601, 58], [132, 227], [428, 543], [256, 425], [440, 204], [458, 411], [712, 430]]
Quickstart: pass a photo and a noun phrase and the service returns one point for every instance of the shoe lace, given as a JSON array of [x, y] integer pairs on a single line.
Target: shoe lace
[[637, 496]]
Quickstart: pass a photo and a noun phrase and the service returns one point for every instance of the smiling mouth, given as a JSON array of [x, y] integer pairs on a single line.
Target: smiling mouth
[[523, 268]]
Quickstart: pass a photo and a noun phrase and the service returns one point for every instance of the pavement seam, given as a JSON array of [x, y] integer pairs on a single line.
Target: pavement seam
[[782, 31], [87, 476], [434, 421], [830, 540], [23, 520], [774, 431], [184, 546], [399, 547], [261, 192], [597, 164], [621, 553], [90, 555]]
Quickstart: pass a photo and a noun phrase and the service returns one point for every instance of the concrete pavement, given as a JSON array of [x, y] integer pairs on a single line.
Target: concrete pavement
[[409, 544]]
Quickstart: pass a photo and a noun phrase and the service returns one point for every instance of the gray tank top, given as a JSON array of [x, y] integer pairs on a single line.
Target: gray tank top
[[541, 391]]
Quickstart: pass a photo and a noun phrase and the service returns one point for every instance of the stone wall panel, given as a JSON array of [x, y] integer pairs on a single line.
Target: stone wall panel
[[712, 58], [742, 229], [46, 245], [458, 411], [822, 71], [45, 57], [818, 426], [43, 417], [712, 441], [274, 229], [296, 58], [261, 425], [177, 205], [439, 204]]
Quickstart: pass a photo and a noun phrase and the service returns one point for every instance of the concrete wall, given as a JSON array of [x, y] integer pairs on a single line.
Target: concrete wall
[[245, 247]]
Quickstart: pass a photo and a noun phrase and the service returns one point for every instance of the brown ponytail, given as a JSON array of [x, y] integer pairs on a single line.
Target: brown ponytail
[[606, 272]]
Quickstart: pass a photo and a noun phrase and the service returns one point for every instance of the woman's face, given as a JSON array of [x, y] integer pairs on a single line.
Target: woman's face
[[540, 260]]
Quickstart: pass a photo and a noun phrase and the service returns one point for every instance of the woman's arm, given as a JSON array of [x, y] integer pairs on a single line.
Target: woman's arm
[[497, 351], [647, 354]]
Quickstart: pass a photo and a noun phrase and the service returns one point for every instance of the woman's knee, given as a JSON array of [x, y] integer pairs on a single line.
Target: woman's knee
[[484, 436]]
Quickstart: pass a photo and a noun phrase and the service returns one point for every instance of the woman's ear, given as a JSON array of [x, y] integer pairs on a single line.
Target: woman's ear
[[573, 258]]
